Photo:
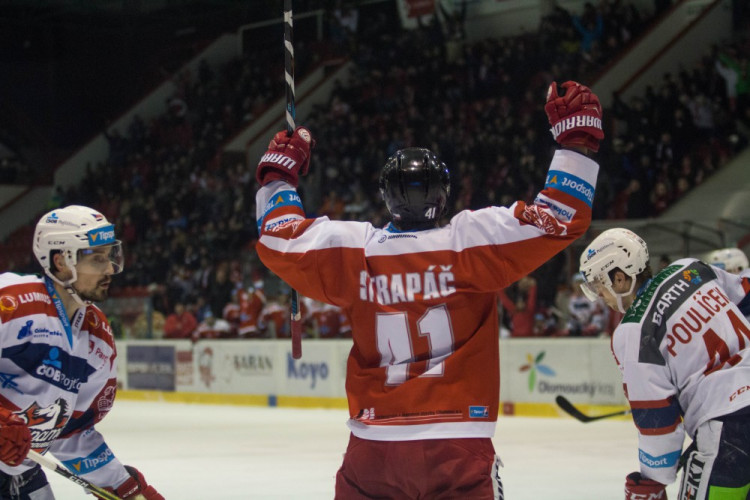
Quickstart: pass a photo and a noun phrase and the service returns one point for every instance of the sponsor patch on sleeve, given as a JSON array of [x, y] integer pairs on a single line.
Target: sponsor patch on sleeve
[[570, 184], [562, 211], [663, 461], [95, 460], [280, 200]]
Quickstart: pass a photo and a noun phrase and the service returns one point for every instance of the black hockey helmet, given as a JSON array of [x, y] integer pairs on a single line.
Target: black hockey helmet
[[415, 185]]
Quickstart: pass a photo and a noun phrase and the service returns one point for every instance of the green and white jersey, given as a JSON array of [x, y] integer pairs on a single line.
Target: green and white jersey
[[683, 350]]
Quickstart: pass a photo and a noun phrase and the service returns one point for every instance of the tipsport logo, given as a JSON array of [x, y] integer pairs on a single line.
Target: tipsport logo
[[101, 236], [533, 366], [95, 460]]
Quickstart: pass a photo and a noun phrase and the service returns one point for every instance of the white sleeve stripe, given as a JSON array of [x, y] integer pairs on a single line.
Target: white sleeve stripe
[[576, 164]]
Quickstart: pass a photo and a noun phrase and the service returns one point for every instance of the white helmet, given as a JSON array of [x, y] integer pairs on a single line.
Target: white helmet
[[616, 248], [732, 260], [70, 230]]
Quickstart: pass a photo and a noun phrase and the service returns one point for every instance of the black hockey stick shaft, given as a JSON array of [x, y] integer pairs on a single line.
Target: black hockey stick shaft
[[54, 466], [574, 412], [291, 116]]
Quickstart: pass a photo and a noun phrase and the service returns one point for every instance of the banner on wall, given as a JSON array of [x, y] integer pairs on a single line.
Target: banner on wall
[[151, 367], [583, 370], [238, 367], [317, 373], [411, 11]]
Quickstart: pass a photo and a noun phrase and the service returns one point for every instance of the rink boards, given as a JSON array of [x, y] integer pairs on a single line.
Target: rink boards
[[263, 373]]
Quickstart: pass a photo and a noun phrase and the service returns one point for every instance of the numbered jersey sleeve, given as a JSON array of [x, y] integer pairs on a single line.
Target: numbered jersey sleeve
[[682, 349], [423, 305]]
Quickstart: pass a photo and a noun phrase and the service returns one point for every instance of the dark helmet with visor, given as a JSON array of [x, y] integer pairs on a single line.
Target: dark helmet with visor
[[415, 185]]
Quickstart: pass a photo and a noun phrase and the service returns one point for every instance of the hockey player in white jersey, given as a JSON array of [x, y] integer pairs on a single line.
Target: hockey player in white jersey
[[732, 260], [58, 366], [683, 348]]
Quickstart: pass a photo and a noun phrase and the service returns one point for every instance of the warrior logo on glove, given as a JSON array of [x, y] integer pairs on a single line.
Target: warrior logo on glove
[[575, 115], [287, 158]]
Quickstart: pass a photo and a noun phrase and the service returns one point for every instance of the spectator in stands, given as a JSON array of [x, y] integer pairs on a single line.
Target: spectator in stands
[[231, 312], [212, 328], [587, 319], [159, 173], [180, 324], [522, 309], [251, 303], [275, 321], [326, 321], [546, 323], [148, 325]]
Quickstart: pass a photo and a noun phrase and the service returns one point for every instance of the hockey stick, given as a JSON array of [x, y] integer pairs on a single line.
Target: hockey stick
[[291, 114], [574, 412], [52, 465]]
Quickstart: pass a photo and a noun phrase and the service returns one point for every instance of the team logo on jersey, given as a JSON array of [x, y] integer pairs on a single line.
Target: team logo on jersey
[[107, 397], [537, 216], [8, 381], [46, 423]]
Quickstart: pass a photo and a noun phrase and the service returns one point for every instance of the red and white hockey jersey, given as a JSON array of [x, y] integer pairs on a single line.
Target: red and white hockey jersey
[[683, 348], [422, 304], [60, 381]]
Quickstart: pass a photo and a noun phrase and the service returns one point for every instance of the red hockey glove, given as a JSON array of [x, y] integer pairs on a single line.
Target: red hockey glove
[[15, 438], [287, 158], [640, 488], [575, 115], [135, 487]]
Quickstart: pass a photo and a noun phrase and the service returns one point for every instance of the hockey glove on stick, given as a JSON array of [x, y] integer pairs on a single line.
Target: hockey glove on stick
[[287, 158], [640, 488], [575, 115], [135, 487], [15, 438]]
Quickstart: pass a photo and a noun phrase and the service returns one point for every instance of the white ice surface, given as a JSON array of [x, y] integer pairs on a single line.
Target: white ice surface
[[206, 452]]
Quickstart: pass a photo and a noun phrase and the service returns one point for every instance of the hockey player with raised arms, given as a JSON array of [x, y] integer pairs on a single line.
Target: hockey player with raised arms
[[58, 360], [683, 348], [423, 374]]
